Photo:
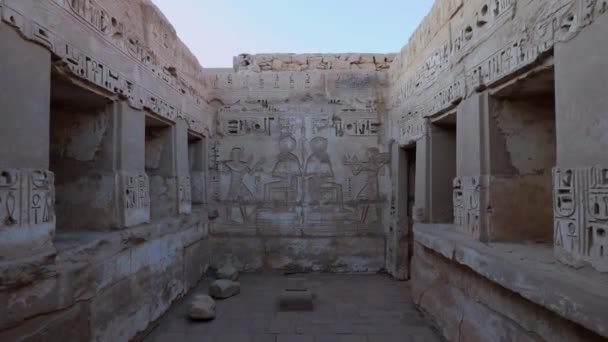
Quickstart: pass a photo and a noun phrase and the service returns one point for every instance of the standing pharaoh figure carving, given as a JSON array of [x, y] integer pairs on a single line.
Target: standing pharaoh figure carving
[[373, 168], [239, 195]]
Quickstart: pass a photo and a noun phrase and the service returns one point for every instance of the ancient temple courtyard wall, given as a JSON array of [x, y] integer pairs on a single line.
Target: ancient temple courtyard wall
[[98, 230], [299, 169], [471, 163], [521, 254]]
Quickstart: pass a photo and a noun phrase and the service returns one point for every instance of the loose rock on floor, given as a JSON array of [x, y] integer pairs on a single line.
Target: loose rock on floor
[[228, 272], [367, 308], [202, 308], [223, 288]]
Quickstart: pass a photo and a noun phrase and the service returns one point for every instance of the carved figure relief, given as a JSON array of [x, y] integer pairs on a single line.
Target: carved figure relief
[[303, 187], [319, 173], [288, 170], [373, 167], [239, 195]]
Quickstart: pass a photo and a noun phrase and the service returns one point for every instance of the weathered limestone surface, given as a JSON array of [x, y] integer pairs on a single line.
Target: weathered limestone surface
[[119, 282], [469, 307], [525, 270]]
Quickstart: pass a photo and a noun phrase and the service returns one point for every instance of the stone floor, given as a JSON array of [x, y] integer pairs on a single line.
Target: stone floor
[[348, 308]]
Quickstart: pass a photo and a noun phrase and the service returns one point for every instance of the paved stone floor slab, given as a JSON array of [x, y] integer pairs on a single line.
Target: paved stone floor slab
[[348, 308]]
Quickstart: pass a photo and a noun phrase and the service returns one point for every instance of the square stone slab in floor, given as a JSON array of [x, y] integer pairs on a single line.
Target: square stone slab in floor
[[347, 308]]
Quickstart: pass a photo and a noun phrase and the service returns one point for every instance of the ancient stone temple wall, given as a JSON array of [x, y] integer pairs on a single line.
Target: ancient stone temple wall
[[491, 98], [471, 163], [299, 170], [101, 180]]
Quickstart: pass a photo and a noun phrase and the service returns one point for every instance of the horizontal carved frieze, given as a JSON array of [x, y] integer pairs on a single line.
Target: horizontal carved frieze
[[91, 68]]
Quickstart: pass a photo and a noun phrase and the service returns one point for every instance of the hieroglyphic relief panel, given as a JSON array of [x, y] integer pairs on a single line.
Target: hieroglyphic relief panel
[[466, 205], [27, 198], [581, 216], [134, 190], [304, 173], [184, 195], [411, 125]]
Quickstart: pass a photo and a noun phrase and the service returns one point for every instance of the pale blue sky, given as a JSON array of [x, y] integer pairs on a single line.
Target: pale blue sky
[[217, 30]]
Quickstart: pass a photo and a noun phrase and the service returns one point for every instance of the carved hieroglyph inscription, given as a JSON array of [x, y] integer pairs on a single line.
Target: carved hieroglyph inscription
[[135, 196], [466, 205], [184, 188], [27, 198], [581, 216]]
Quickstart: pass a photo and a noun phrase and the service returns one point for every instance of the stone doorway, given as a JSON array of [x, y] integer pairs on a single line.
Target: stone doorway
[[410, 193]]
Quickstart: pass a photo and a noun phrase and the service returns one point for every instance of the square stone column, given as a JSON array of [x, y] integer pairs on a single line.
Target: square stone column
[[184, 180], [27, 218], [470, 186], [400, 220], [133, 192], [197, 149]]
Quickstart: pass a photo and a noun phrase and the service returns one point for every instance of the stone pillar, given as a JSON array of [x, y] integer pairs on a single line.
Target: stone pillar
[[133, 192], [581, 176], [197, 150], [398, 234], [27, 218], [184, 180], [471, 161]]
